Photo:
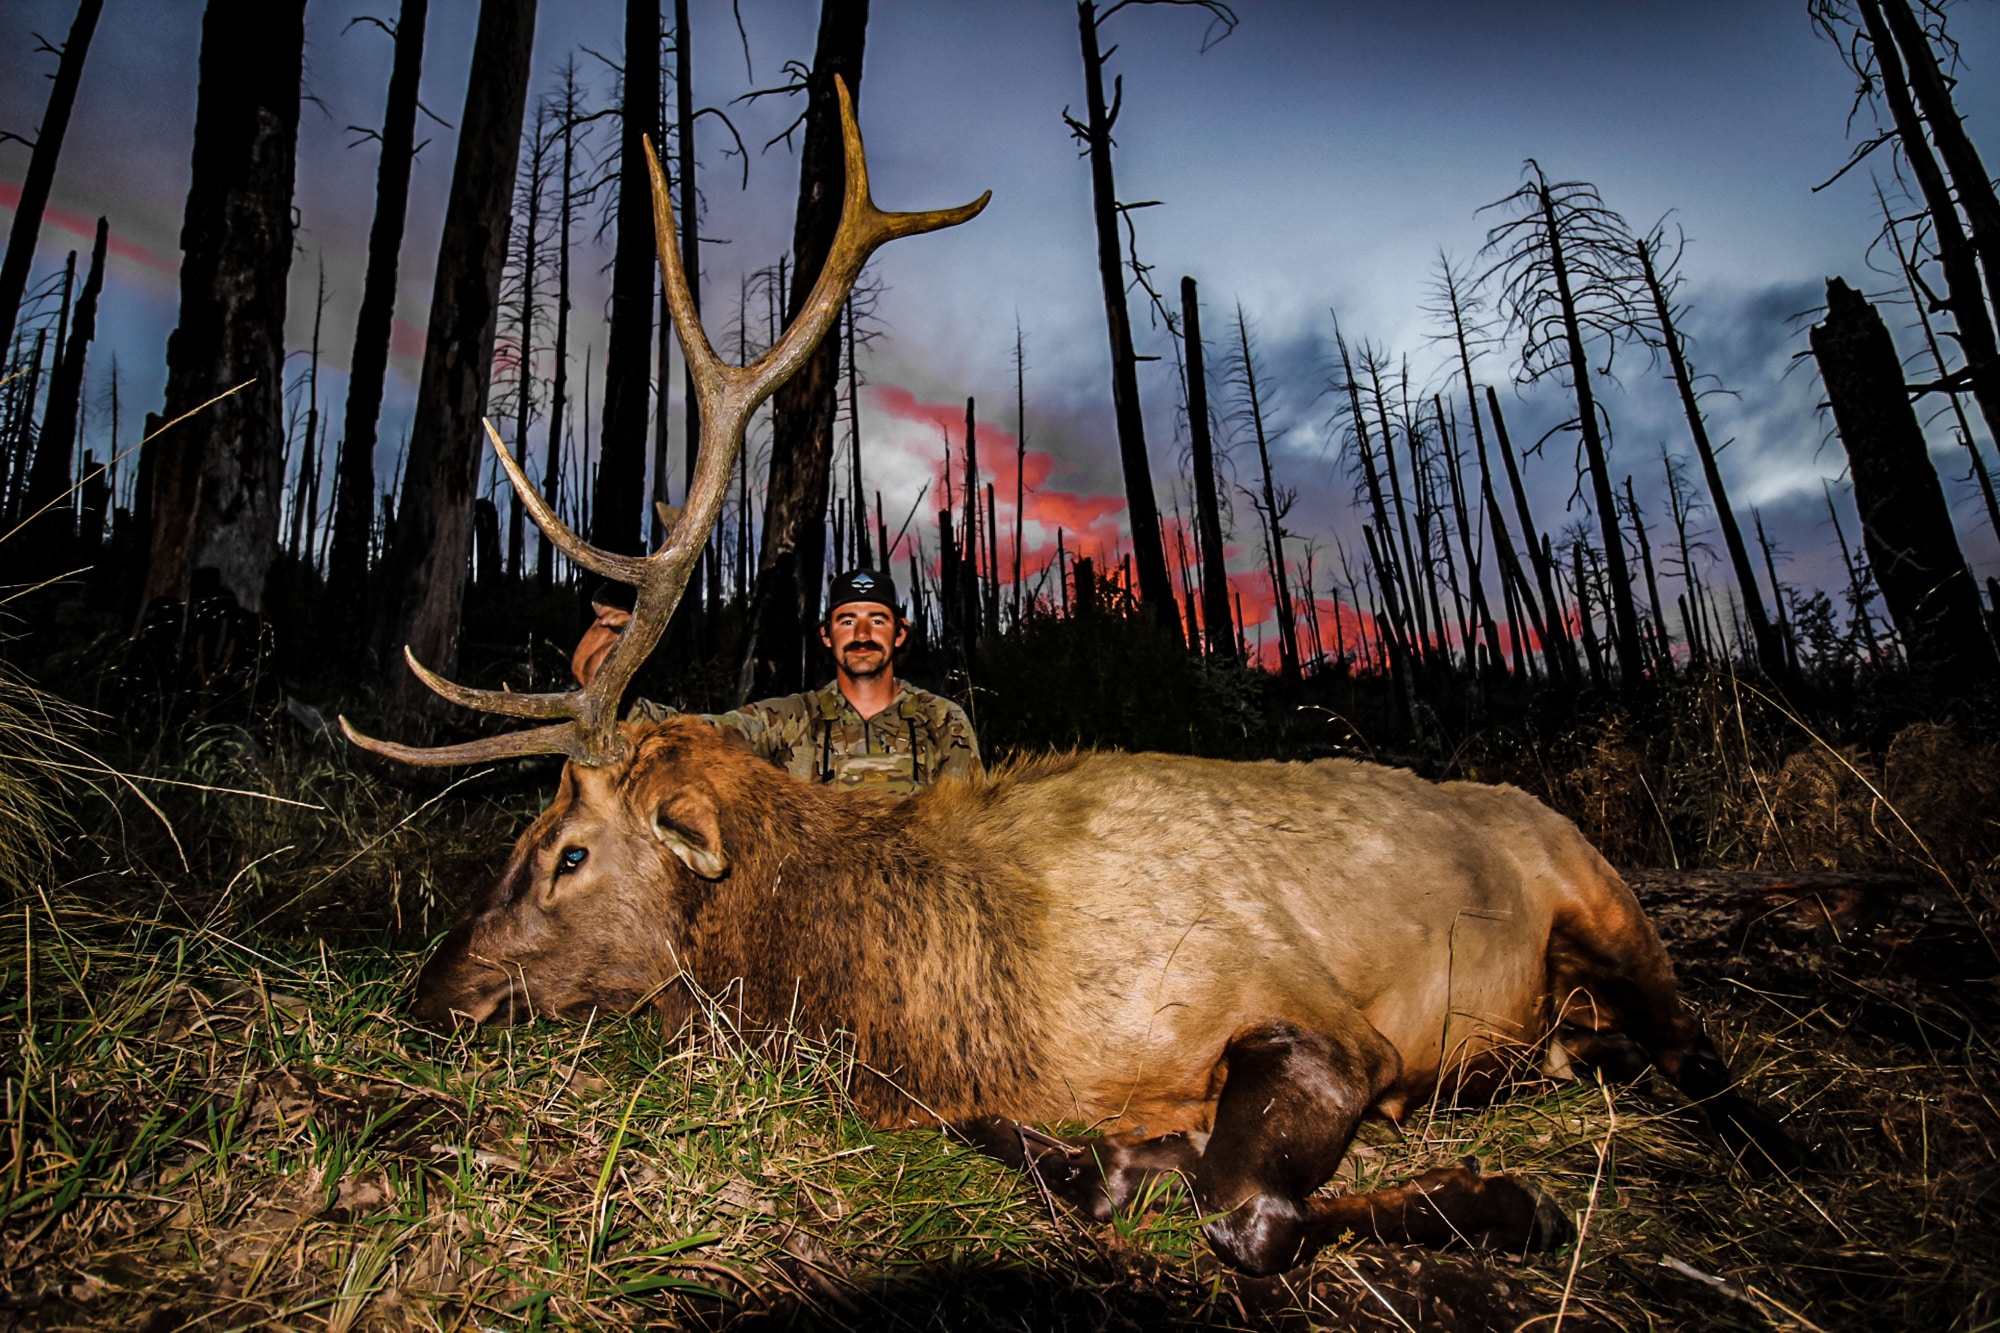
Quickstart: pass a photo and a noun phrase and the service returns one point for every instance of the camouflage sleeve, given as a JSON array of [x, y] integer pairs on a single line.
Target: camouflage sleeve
[[762, 728], [959, 757]]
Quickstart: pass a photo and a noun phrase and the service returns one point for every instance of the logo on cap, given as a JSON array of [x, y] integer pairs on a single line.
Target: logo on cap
[[862, 582]]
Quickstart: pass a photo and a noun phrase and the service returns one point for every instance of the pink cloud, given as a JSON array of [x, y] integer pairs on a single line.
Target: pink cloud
[[1092, 521], [85, 229]]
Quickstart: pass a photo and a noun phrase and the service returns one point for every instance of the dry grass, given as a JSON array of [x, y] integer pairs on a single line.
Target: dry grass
[[215, 1123], [203, 1133]]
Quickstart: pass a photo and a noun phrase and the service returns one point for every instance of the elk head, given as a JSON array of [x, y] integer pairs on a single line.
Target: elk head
[[513, 949]]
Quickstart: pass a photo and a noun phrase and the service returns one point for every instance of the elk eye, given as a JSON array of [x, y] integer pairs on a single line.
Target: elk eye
[[571, 859]]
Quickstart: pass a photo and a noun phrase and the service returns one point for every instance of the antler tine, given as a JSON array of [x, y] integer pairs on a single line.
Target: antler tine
[[505, 702], [864, 229], [562, 738], [624, 568]]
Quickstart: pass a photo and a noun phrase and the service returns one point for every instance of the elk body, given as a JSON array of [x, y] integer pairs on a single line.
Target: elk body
[[1224, 967]]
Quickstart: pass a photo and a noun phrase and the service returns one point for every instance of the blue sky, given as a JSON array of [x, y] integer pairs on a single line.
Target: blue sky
[[1319, 159]]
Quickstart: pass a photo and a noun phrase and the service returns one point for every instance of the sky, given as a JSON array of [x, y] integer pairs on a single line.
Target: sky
[[1314, 164]]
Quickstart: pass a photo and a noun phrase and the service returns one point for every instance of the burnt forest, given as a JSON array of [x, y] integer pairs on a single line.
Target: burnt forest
[[1597, 401]]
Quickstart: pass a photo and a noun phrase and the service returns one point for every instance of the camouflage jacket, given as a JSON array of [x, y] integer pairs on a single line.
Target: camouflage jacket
[[819, 737]]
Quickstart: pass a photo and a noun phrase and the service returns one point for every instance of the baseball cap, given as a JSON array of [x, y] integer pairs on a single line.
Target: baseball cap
[[862, 585]]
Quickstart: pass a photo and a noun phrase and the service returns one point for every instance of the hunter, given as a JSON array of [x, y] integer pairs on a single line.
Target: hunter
[[864, 728]]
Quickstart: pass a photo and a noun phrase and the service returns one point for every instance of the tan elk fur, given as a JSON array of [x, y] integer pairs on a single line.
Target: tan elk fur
[[1077, 938]]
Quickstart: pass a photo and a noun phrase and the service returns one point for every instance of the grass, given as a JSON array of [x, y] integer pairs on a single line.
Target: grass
[[203, 1133], [217, 1116]]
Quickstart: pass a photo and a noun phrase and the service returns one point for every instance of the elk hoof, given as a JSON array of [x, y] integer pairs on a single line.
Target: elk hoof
[[1259, 1237], [1551, 1229]]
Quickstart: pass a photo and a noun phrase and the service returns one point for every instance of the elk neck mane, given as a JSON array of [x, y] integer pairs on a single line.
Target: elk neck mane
[[911, 926]]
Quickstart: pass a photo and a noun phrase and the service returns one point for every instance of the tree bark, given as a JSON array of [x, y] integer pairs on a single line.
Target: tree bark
[[1957, 255], [792, 554], [220, 472], [1207, 504], [617, 505], [354, 515], [559, 392], [1969, 178], [1274, 531], [1770, 651], [50, 475], [1155, 588], [1905, 522], [35, 186], [524, 401], [1624, 617], [1557, 650], [434, 514]]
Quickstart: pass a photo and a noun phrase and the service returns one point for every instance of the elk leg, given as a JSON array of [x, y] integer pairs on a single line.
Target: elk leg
[[1095, 1174], [1612, 980], [1289, 1107]]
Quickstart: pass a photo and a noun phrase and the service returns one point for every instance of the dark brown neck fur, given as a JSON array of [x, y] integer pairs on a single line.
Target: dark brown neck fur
[[844, 912]]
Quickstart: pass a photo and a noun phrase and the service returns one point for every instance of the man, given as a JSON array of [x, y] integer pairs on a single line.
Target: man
[[864, 728]]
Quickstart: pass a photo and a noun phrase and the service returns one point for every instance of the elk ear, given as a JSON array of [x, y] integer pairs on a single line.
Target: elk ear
[[686, 823]]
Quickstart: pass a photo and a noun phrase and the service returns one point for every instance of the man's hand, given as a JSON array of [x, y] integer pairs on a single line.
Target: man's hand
[[598, 641]]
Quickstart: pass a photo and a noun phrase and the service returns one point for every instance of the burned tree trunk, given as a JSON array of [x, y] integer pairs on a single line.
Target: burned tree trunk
[[1557, 649], [354, 514], [1905, 522], [1969, 177], [1215, 620], [617, 504], [218, 474], [535, 179], [559, 391], [1770, 650], [1155, 588], [41, 175], [434, 515], [49, 477], [792, 556]]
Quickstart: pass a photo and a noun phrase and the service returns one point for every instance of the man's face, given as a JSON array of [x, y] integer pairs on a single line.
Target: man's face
[[864, 637]]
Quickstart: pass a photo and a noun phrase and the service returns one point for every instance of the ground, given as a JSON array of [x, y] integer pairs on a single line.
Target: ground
[[219, 1137]]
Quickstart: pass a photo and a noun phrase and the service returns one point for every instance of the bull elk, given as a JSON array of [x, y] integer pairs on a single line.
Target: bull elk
[[1219, 967]]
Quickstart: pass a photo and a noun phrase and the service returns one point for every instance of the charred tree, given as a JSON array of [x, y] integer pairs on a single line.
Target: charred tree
[[1905, 523], [1557, 648], [42, 157], [1662, 648], [49, 476], [307, 483], [1915, 286], [1020, 464], [218, 474], [434, 513], [792, 555], [1094, 132], [1659, 282], [617, 505], [1563, 262], [534, 180], [570, 113], [1272, 505], [354, 513], [1215, 620], [1458, 308], [1969, 177]]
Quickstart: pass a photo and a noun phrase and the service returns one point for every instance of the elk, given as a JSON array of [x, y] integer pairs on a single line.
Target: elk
[[1220, 968]]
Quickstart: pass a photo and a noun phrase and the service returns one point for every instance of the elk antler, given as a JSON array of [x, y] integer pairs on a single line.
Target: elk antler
[[728, 396]]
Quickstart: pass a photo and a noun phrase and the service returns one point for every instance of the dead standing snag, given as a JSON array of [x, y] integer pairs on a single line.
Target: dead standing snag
[[728, 395], [1223, 966]]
